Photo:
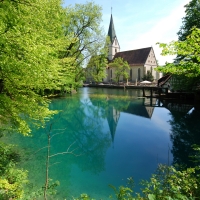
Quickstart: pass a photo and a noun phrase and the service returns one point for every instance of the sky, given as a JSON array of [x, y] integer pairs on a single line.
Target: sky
[[142, 23]]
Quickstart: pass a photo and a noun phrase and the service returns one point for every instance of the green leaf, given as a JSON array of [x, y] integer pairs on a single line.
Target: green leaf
[[151, 197]]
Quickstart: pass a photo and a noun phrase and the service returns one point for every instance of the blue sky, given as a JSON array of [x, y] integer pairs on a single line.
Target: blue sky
[[143, 23]]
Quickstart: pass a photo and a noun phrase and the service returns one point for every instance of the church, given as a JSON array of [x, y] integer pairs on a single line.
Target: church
[[140, 60]]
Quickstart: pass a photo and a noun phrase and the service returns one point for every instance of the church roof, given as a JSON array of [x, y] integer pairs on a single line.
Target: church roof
[[111, 30], [134, 57], [137, 108]]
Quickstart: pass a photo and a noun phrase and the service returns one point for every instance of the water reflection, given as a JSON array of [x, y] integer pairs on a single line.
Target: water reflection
[[131, 103], [185, 132], [82, 124], [94, 120]]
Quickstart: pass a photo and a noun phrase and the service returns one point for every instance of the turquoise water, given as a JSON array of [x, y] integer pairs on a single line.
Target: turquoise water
[[110, 135]]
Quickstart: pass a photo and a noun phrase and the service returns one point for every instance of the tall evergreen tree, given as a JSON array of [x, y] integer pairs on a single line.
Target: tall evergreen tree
[[191, 19]]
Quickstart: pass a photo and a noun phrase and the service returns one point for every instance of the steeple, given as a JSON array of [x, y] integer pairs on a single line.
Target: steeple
[[111, 30], [114, 45]]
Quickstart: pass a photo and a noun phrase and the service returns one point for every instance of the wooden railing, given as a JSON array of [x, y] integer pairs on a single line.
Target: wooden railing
[[163, 80]]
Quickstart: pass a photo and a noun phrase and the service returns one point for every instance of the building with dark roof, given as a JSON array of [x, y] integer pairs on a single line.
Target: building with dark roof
[[114, 44], [140, 60]]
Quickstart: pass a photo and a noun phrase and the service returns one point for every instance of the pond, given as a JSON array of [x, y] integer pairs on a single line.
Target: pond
[[101, 137]]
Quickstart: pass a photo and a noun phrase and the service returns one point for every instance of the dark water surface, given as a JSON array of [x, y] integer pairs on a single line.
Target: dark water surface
[[110, 135]]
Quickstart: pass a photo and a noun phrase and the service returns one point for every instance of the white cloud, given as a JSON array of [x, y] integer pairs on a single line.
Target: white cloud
[[143, 24], [164, 31]]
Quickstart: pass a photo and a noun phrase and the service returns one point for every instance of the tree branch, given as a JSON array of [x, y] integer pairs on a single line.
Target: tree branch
[[67, 152]]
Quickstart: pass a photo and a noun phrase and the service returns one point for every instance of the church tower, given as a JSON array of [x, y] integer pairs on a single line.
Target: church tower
[[113, 44]]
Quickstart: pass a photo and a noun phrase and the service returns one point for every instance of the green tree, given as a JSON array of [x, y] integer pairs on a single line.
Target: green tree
[[188, 68], [97, 64], [31, 40], [121, 68], [12, 179], [97, 67], [83, 23], [191, 19], [148, 76]]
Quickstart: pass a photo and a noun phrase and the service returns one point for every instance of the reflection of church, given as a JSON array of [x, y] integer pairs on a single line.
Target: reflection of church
[[139, 107], [113, 118]]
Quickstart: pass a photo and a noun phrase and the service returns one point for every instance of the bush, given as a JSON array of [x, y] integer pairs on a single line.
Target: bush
[[11, 178]]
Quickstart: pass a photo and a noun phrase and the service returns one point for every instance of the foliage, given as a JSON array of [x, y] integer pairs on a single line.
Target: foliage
[[191, 19], [96, 68], [186, 65], [83, 22], [83, 197], [166, 184], [123, 193], [148, 76], [187, 68], [121, 68], [12, 180], [32, 38]]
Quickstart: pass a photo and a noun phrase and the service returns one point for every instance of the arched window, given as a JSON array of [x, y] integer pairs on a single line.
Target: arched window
[[130, 74], [138, 74], [110, 73]]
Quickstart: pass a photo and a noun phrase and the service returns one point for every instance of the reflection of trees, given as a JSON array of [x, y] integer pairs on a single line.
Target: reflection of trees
[[110, 109], [82, 124], [185, 133], [111, 104], [79, 123]]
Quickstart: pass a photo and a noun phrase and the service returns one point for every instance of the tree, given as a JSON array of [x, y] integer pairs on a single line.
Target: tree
[[188, 68], [148, 76], [31, 40], [96, 67], [12, 180], [83, 24], [191, 19], [121, 68]]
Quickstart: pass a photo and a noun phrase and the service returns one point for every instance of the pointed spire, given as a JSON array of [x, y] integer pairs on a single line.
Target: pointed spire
[[111, 30]]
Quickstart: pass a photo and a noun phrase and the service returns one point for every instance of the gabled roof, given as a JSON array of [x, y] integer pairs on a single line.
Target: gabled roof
[[111, 30], [134, 57]]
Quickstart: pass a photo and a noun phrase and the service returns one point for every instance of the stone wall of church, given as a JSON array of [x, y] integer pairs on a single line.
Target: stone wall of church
[[136, 73]]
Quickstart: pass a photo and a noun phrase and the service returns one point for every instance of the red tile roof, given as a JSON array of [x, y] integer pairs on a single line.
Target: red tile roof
[[134, 57]]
